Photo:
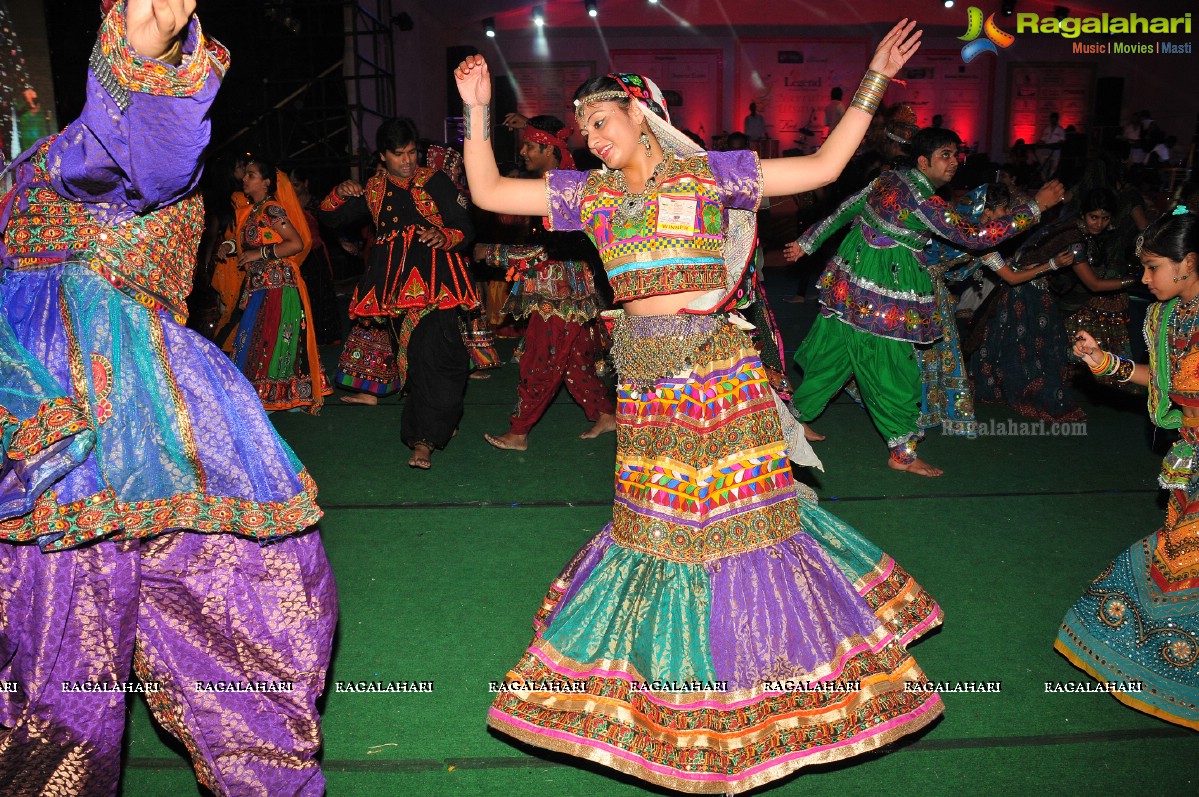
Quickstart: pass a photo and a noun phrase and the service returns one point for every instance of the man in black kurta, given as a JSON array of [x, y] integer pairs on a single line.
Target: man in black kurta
[[406, 305]]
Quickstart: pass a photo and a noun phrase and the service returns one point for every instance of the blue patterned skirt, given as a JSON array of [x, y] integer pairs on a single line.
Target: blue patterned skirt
[[119, 423]]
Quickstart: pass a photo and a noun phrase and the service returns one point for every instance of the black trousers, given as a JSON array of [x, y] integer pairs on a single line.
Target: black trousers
[[438, 368]]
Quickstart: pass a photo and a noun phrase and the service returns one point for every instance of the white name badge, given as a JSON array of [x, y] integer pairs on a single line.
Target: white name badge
[[676, 215]]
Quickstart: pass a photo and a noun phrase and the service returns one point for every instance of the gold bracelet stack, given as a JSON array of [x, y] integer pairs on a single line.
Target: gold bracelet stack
[[870, 93]]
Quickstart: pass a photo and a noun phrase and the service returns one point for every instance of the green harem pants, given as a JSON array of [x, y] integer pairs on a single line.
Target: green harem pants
[[887, 373]]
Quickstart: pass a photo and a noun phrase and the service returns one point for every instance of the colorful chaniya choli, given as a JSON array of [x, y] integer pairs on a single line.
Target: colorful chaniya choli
[[92, 342], [723, 630], [276, 340], [1021, 347], [1137, 624]]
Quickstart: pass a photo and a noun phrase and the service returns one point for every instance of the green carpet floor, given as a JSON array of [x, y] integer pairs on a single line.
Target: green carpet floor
[[439, 574]]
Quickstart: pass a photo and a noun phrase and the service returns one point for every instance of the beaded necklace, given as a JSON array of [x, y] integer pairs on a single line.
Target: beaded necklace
[[1182, 325], [254, 216], [630, 211]]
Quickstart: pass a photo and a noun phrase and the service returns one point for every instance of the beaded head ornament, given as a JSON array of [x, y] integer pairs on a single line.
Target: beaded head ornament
[[740, 232], [1179, 210], [901, 124]]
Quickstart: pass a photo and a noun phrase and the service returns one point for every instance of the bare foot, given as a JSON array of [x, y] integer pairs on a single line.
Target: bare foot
[[917, 466], [480, 375], [796, 299], [422, 457], [811, 435], [509, 441], [360, 398], [605, 423]]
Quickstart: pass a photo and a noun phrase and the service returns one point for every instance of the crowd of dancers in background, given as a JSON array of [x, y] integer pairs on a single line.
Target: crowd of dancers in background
[[994, 325]]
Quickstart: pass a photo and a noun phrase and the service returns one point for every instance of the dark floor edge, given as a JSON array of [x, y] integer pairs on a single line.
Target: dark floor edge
[[530, 762]]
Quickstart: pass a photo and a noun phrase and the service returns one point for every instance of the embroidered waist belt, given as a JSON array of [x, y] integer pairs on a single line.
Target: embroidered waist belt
[[648, 348]]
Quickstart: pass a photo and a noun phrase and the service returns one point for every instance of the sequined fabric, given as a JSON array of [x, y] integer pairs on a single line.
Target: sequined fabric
[[564, 289], [876, 282], [368, 362], [947, 399], [150, 257], [147, 477]]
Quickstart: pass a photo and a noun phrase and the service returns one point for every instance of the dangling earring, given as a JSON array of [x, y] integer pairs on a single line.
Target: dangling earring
[[649, 153]]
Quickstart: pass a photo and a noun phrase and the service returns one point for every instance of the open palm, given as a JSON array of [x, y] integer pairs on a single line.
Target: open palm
[[896, 48]]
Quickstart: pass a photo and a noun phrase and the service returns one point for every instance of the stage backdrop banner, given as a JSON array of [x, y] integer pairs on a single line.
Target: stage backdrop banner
[[939, 83], [790, 79], [549, 87], [1036, 90], [26, 81], [691, 81]]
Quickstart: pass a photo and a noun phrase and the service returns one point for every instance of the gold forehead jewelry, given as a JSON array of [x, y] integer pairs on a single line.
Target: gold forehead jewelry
[[599, 96]]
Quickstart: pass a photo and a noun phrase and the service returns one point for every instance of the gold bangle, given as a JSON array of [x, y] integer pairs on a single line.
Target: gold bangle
[[869, 95], [173, 54], [870, 106]]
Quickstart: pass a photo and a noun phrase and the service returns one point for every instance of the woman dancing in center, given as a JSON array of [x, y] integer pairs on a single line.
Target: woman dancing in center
[[722, 631]]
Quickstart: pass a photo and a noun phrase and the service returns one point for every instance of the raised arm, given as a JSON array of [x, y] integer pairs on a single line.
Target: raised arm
[[488, 189], [808, 172], [140, 140], [345, 205], [818, 233], [937, 216]]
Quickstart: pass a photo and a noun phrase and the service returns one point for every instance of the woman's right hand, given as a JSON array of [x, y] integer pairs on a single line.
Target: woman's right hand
[[474, 80], [1086, 349], [1064, 258], [792, 251]]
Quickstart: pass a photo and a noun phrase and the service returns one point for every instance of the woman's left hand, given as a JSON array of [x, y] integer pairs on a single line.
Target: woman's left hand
[[249, 256], [896, 48]]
